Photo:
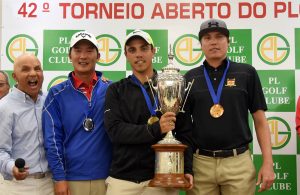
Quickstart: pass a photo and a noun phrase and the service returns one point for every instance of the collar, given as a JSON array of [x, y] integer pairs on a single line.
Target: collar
[[78, 82], [221, 67], [153, 78], [24, 96]]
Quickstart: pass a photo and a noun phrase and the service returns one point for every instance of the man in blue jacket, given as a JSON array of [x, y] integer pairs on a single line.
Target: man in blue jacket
[[78, 148]]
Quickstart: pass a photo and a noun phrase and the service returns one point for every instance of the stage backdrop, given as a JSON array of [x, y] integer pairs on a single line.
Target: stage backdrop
[[265, 34]]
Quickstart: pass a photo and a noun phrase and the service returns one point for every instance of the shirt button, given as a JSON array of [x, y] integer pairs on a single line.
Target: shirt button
[[215, 79]]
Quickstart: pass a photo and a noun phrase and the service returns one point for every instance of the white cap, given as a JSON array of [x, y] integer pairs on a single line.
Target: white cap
[[141, 34], [83, 35]]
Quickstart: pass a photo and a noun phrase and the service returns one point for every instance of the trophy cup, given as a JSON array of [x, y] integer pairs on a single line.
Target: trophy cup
[[169, 152]]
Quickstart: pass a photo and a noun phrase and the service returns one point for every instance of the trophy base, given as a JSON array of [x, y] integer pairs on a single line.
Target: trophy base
[[169, 181], [169, 166]]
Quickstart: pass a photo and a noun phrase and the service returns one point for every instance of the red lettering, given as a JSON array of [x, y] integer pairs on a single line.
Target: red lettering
[[226, 10], [211, 9], [171, 11], [91, 9], [157, 11], [184, 9], [279, 7], [196, 11], [64, 5], [290, 14], [248, 10], [80, 10], [118, 9], [103, 9], [263, 8], [142, 12]]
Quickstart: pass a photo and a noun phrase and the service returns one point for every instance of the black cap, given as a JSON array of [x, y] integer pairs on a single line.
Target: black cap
[[213, 25]]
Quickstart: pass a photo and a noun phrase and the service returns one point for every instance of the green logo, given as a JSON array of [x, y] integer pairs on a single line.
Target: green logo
[[20, 44], [187, 50], [109, 48], [280, 132], [279, 89], [285, 170], [56, 50], [240, 46], [273, 49]]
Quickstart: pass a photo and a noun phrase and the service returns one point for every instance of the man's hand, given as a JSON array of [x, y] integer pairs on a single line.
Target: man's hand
[[190, 178], [20, 175], [167, 122], [61, 188], [265, 177]]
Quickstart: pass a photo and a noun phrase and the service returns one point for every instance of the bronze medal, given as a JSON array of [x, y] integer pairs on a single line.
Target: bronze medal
[[216, 111], [152, 120]]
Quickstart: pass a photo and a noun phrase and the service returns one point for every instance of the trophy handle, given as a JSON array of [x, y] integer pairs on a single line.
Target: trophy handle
[[188, 89], [152, 87]]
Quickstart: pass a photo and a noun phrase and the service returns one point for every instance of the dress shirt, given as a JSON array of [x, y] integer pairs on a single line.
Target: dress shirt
[[21, 133]]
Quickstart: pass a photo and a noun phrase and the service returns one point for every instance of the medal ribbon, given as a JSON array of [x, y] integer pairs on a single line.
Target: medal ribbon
[[216, 97], [151, 107]]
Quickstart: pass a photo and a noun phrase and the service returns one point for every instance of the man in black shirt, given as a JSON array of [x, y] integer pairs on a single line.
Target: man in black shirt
[[132, 124], [219, 101]]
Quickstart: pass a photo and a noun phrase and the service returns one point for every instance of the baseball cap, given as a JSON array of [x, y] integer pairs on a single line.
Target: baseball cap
[[213, 25], [141, 34], [83, 35]]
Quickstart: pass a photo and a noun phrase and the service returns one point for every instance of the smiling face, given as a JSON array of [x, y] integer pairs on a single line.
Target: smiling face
[[139, 54], [84, 57], [28, 74], [214, 45]]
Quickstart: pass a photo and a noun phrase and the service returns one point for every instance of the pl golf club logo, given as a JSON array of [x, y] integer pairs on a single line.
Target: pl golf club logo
[[187, 50], [56, 81], [280, 132], [20, 44], [110, 49], [273, 49]]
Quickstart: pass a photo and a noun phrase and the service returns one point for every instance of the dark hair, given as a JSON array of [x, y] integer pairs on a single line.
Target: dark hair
[[6, 76]]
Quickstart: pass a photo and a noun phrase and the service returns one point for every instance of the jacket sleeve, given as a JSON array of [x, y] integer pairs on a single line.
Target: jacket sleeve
[[6, 161], [53, 136], [123, 132]]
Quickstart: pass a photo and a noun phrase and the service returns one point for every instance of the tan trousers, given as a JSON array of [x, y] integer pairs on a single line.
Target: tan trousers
[[89, 187], [123, 187], [227, 176], [29, 186]]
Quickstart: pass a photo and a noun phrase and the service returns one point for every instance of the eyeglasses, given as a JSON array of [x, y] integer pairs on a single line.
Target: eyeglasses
[[3, 84]]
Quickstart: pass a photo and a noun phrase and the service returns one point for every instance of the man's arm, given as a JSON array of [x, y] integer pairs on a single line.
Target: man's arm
[[7, 163], [266, 173], [123, 132], [53, 137]]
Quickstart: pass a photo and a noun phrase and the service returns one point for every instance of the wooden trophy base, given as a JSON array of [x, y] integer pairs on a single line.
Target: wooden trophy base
[[165, 176], [169, 181]]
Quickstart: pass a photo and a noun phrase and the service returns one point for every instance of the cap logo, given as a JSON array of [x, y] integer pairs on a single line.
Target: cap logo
[[136, 31], [83, 35], [211, 24]]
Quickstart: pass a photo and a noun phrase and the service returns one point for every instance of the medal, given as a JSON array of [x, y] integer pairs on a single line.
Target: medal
[[152, 120], [88, 124], [216, 110]]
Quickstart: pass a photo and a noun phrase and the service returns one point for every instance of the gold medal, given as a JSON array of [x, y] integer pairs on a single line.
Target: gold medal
[[216, 111], [152, 120]]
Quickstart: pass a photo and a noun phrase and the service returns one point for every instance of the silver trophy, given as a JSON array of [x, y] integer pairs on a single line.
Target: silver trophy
[[169, 161]]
